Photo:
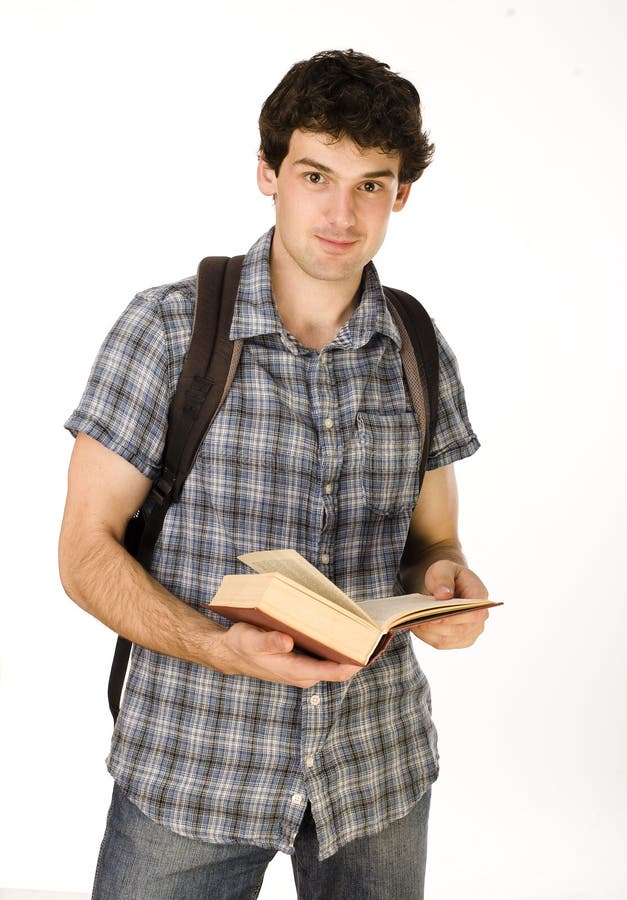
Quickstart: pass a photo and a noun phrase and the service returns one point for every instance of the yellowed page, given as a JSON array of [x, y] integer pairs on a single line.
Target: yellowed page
[[260, 590], [389, 611], [291, 564]]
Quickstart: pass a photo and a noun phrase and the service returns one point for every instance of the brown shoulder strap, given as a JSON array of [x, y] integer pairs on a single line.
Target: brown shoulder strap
[[421, 364], [204, 382]]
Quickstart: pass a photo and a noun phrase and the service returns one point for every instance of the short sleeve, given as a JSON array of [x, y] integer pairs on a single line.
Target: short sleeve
[[454, 438], [125, 403]]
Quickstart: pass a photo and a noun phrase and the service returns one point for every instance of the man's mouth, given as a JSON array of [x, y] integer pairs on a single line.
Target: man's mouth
[[338, 244]]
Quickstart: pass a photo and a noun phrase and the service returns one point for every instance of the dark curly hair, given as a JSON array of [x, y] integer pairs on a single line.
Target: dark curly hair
[[347, 94]]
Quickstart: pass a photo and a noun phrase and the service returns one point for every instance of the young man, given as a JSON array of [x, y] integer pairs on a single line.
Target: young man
[[230, 745]]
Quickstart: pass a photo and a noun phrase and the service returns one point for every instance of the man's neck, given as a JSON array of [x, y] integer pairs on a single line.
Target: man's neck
[[312, 310]]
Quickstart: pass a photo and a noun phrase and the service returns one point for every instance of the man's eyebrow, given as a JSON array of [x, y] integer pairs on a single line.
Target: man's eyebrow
[[320, 167]]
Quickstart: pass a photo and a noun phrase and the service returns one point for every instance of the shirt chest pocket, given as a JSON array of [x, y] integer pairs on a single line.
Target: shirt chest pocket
[[389, 457]]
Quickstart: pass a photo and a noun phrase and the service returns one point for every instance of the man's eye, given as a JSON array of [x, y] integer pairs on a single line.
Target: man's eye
[[314, 177], [371, 187]]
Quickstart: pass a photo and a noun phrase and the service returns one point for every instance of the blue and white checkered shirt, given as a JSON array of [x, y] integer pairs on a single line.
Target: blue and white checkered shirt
[[315, 451]]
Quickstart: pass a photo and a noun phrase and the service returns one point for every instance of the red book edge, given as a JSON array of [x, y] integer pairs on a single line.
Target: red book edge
[[311, 645], [303, 641]]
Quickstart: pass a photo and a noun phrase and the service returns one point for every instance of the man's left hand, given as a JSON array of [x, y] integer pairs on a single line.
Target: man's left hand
[[446, 579]]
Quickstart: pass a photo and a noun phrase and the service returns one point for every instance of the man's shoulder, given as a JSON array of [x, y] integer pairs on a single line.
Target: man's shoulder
[[174, 293], [166, 309]]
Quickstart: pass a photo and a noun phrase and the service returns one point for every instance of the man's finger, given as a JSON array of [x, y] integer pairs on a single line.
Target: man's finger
[[277, 642], [252, 640]]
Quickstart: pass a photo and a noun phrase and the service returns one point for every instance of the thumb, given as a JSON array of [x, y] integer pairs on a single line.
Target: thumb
[[440, 580]]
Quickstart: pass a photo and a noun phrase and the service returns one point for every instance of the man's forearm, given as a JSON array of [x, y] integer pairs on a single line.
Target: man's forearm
[[102, 578]]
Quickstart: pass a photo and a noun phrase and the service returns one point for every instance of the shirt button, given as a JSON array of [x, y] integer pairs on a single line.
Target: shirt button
[[325, 559], [314, 699], [328, 488], [328, 423], [309, 761], [297, 798]]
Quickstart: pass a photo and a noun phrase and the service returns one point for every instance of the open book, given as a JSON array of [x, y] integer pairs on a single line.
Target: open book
[[290, 595]]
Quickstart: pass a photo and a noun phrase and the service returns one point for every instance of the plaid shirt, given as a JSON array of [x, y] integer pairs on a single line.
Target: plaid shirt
[[315, 451]]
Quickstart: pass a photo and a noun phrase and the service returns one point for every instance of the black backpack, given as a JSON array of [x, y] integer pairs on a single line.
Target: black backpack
[[204, 382]]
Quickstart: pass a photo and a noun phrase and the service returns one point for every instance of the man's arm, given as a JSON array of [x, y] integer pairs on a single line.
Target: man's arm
[[104, 491], [433, 563]]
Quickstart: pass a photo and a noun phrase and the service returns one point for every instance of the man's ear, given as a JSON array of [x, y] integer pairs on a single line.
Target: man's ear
[[266, 177], [401, 196]]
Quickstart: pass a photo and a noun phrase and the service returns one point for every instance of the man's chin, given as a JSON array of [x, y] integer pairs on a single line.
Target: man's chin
[[335, 266], [334, 273]]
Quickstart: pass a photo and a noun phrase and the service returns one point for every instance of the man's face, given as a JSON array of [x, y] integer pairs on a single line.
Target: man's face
[[333, 201]]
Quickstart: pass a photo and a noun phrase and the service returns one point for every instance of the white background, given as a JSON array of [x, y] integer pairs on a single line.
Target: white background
[[129, 152]]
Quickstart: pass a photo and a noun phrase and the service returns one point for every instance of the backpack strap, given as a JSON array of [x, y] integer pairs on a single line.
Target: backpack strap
[[421, 365], [204, 382]]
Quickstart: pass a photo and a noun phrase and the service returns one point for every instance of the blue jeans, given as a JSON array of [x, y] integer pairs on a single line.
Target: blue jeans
[[141, 860]]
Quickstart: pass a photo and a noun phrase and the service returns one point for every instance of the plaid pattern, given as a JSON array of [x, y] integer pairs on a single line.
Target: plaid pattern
[[315, 451]]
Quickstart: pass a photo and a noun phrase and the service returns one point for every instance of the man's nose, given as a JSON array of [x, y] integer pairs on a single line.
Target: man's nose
[[341, 209]]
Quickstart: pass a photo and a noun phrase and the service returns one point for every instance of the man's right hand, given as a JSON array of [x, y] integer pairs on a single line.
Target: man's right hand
[[247, 650]]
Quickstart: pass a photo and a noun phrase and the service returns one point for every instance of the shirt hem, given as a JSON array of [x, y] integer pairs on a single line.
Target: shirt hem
[[207, 837], [403, 811], [210, 837]]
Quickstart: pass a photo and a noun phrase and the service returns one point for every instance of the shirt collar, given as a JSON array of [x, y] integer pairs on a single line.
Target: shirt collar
[[255, 312]]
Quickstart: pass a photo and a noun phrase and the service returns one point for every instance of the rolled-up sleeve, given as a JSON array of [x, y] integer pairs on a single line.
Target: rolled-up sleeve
[[125, 403], [454, 438]]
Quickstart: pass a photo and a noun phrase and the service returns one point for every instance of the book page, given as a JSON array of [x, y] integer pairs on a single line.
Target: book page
[[388, 610], [291, 564]]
